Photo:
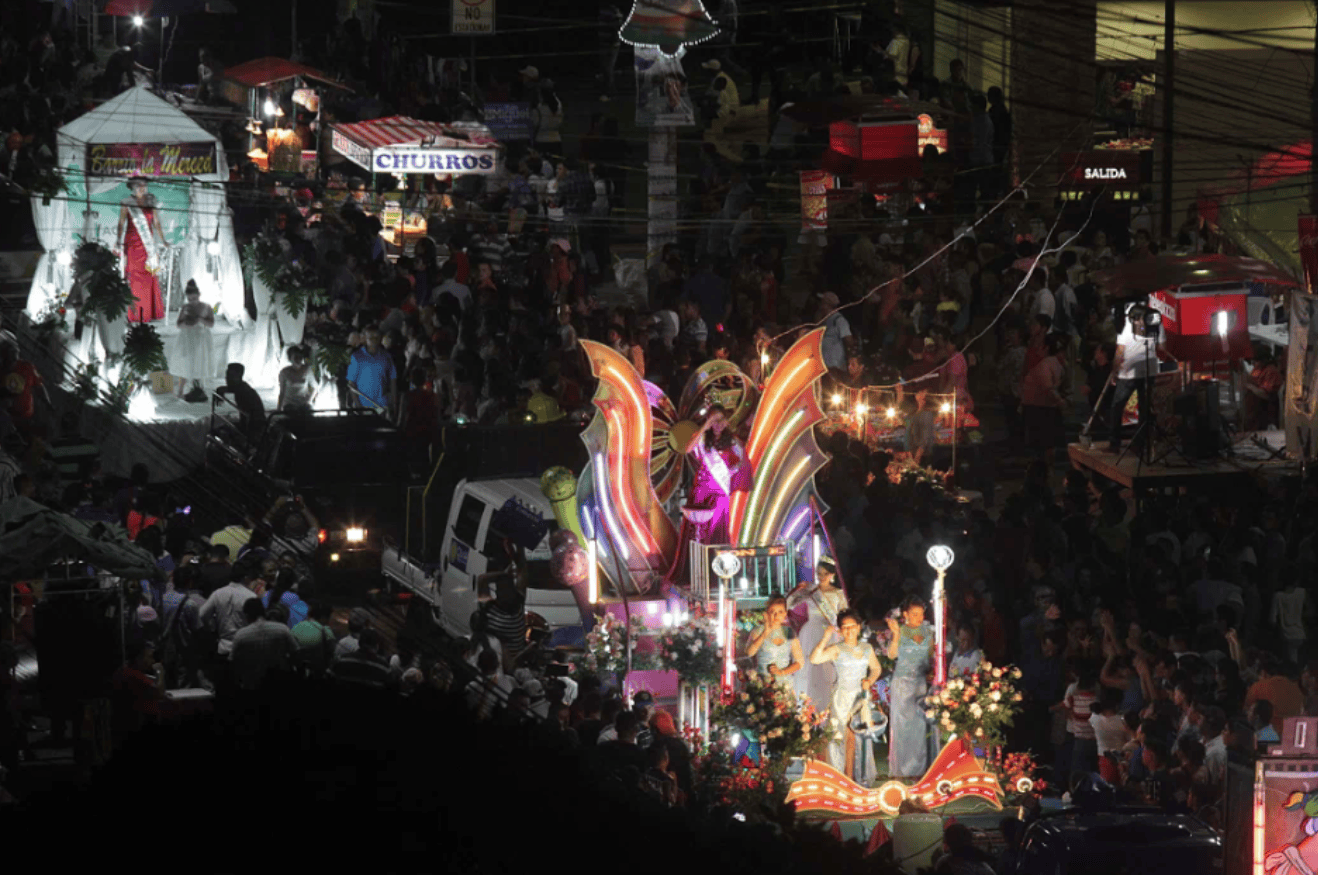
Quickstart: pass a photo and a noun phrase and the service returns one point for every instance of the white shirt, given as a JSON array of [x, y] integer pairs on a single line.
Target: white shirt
[[1110, 732], [1140, 356], [835, 352], [1215, 760], [1066, 300], [456, 289], [1044, 303], [1288, 613], [225, 605]]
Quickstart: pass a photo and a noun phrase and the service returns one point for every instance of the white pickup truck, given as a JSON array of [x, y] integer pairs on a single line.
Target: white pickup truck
[[471, 538]]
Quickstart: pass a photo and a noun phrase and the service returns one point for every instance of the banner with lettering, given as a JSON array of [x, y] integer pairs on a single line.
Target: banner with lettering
[[151, 159]]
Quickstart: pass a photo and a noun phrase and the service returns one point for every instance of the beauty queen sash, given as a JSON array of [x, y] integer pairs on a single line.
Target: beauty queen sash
[[144, 233]]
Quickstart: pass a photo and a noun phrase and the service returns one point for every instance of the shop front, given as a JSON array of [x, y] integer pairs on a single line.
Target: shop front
[[410, 149]]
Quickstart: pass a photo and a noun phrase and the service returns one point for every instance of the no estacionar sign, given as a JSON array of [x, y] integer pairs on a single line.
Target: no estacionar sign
[[473, 17]]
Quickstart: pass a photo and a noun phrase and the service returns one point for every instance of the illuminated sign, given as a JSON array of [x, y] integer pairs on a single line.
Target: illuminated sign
[[930, 135], [151, 159], [424, 160], [1109, 169], [760, 552], [1105, 173]]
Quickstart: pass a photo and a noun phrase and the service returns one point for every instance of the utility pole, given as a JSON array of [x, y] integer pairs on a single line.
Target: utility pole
[[1169, 73]]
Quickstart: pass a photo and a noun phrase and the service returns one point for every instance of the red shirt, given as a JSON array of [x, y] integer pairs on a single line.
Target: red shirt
[[20, 384], [464, 266]]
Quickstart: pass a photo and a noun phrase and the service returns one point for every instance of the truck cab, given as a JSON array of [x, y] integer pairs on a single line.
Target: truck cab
[[482, 513]]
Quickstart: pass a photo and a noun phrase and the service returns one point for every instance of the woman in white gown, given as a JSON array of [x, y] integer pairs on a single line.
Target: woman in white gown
[[823, 603], [196, 351], [857, 669]]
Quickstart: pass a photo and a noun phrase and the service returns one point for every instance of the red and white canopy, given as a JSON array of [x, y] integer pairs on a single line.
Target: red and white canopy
[[406, 145]]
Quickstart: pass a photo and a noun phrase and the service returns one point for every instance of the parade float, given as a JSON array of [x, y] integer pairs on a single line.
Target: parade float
[[691, 515]]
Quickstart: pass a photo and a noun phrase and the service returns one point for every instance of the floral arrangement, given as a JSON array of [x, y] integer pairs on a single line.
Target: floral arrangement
[[691, 650], [102, 288], [292, 284], [770, 712], [606, 648], [980, 706], [1016, 773], [719, 780]]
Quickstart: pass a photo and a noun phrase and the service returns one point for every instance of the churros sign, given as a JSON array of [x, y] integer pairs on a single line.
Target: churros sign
[[151, 159]]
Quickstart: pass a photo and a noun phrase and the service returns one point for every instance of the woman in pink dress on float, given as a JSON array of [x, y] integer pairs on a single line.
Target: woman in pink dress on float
[[143, 246]]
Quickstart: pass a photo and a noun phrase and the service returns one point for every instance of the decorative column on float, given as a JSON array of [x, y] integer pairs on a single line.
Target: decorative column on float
[[940, 559], [660, 31]]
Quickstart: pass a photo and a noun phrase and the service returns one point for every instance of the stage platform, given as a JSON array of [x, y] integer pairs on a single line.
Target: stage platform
[[1247, 459], [166, 433]]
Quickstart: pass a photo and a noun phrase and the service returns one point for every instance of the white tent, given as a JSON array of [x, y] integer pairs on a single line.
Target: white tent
[[139, 133]]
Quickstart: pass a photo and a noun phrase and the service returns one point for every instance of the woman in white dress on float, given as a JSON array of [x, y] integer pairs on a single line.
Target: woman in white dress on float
[[196, 359], [857, 669], [823, 603]]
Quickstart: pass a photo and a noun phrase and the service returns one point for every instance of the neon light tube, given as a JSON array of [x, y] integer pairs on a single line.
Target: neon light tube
[[748, 524], [639, 532], [641, 436], [592, 576], [606, 513], [795, 521], [765, 414], [782, 493]]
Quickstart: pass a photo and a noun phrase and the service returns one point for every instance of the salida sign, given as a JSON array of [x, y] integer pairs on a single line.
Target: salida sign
[[150, 159], [1101, 167]]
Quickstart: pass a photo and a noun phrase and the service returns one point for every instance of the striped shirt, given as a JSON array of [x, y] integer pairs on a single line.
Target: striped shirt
[[508, 627], [1079, 705]]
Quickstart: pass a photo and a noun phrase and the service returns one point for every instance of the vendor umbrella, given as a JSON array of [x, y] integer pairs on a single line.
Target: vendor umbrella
[[1135, 279]]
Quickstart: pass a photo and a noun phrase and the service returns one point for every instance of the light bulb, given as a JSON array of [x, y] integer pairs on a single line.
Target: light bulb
[[837, 399], [213, 247], [269, 107], [1221, 323], [946, 408], [64, 258], [138, 21], [764, 358], [861, 409], [892, 412]]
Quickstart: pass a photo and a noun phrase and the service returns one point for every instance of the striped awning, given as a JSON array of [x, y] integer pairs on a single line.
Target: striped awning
[[400, 130], [408, 145]]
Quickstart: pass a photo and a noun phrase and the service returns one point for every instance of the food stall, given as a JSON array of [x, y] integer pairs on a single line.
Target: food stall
[[401, 147], [264, 87], [874, 150]]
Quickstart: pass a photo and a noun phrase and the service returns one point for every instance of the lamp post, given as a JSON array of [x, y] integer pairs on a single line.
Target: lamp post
[[940, 559]]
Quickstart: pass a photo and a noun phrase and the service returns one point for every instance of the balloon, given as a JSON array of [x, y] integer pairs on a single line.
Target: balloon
[[561, 537], [569, 564]]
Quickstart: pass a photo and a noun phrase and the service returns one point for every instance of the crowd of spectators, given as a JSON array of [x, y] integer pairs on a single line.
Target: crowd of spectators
[[1159, 644]]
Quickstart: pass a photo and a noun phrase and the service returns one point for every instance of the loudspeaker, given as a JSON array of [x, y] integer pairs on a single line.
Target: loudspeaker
[[1199, 410]]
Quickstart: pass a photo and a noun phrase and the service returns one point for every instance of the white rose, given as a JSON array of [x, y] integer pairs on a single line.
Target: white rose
[[976, 711], [995, 696], [992, 708]]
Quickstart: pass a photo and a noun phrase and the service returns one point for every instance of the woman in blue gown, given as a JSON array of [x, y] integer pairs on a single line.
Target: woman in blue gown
[[857, 669], [776, 648], [913, 743]]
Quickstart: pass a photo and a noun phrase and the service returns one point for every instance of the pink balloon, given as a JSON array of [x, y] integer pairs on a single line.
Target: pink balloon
[[569, 564], [561, 537]]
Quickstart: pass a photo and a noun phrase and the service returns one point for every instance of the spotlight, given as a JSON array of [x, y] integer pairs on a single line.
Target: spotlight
[[64, 258], [138, 21], [1223, 323], [213, 247], [892, 412], [946, 408]]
